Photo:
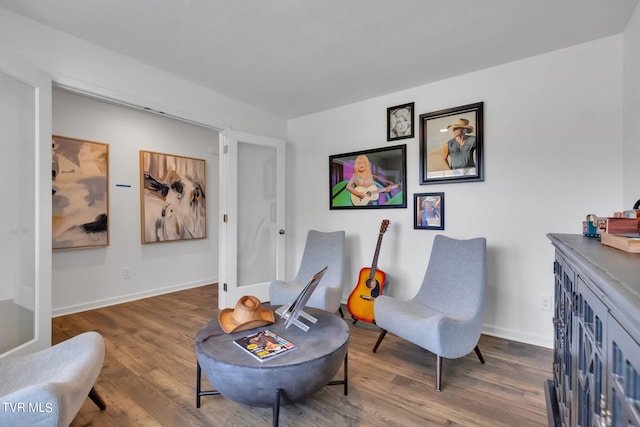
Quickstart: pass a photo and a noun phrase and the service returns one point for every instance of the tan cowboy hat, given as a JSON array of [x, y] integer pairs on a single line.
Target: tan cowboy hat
[[428, 199], [247, 314], [461, 123]]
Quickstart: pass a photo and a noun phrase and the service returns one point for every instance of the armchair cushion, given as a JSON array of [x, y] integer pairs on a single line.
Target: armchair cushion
[[450, 337]]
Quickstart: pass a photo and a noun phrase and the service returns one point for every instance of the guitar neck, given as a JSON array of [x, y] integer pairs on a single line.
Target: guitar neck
[[374, 263]]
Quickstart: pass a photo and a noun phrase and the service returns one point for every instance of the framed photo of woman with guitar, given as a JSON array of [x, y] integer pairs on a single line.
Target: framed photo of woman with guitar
[[368, 179]]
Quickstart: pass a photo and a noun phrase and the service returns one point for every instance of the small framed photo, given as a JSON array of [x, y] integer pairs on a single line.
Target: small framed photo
[[428, 211], [368, 179], [400, 122], [451, 145]]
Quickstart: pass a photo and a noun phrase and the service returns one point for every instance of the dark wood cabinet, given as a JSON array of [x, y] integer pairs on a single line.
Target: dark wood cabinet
[[596, 364]]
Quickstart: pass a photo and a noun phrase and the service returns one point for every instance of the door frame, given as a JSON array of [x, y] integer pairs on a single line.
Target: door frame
[[42, 86], [228, 290]]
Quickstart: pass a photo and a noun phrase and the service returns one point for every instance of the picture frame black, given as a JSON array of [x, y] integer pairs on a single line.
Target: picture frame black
[[376, 186], [428, 211], [438, 132], [400, 121]]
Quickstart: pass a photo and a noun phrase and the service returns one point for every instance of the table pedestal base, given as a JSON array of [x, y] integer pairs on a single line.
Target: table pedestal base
[[278, 391]]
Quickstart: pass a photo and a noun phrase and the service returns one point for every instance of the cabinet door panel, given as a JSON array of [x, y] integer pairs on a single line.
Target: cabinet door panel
[[563, 371], [624, 377], [591, 319]]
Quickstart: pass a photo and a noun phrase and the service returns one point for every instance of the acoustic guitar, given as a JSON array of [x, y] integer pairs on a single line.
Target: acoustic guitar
[[370, 284], [371, 194]]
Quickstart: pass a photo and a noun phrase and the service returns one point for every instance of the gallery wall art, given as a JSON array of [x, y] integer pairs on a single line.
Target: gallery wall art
[[368, 179], [80, 193], [428, 211], [451, 145], [172, 198], [400, 121]]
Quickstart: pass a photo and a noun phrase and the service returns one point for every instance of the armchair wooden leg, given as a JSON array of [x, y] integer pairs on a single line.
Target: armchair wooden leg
[[93, 395], [380, 337], [477, 350], [439, 367], [438, 372]]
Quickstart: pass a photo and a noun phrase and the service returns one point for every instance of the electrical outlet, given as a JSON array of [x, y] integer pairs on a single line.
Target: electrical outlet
[[544, 302], [126, 273]]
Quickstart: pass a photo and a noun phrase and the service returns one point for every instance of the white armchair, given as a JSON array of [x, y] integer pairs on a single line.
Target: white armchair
[[48, 387], [445, 317]]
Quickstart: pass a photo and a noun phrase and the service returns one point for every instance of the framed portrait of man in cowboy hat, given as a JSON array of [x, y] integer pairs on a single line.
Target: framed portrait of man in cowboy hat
[[451, 145]]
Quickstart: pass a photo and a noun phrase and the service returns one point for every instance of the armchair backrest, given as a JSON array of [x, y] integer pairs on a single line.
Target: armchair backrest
[[323, 249], [456, 276]]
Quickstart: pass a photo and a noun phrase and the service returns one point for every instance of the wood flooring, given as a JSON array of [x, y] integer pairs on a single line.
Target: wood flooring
[[149, 373]]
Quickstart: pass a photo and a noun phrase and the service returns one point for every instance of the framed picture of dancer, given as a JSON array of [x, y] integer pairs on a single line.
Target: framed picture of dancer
[[451, 145], [371, 179]]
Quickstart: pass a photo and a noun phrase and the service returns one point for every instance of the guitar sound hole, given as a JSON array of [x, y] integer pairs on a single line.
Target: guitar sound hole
[[372, 283]]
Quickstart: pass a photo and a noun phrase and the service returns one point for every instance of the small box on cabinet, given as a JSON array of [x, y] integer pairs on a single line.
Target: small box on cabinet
[[621, 225]]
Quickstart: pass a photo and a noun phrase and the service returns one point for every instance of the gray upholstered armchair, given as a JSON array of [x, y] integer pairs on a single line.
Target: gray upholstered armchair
[[445, 317], [321, 249], [48, 387]]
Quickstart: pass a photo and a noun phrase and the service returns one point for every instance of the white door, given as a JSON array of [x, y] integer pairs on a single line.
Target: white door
[[25, 217], [252, 210]]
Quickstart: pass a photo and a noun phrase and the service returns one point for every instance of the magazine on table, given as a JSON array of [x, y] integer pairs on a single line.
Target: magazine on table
[[264, 345]]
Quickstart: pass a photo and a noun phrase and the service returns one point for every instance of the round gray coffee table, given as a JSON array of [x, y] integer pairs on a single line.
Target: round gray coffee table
[[288, 378]]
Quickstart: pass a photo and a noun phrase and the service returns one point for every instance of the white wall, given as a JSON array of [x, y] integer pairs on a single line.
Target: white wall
[[552, 134], [73, 62], [89, 278], [631, 162]]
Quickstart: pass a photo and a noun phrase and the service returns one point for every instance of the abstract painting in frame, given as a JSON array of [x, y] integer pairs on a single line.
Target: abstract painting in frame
[[172, 198], [80, 193], [428, 211], [368, 179], [451, 145]]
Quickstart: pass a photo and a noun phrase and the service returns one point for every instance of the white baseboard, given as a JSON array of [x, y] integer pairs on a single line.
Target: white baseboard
[[512, 335], [92, 305]]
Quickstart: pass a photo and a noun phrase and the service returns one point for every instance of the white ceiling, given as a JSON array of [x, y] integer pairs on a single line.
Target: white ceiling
[[296, 57]]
